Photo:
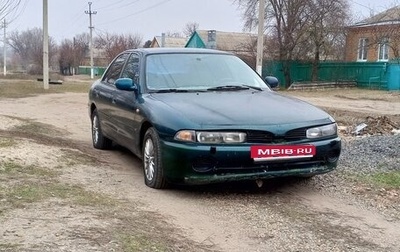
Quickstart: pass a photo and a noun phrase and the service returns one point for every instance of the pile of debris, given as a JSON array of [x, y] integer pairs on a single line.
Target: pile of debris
[[381, 125]]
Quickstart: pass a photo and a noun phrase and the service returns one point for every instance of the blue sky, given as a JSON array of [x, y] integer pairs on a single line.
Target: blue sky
[[148, 18]]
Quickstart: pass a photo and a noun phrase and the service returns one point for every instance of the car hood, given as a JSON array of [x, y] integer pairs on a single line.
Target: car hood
[[241, 108]]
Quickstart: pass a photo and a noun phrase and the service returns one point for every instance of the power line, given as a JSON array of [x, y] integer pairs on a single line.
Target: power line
[[362, 5], [138, 12]]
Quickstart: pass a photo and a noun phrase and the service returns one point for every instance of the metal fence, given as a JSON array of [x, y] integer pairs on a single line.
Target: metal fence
[[373, 75], [98, 71]]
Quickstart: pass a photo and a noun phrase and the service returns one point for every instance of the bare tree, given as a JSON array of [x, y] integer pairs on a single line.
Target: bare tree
[[190, 28], [285, 22], [81, 48], [290, 22], [113, 44], [29, 46], [66, 56], [302, 29], [72, 53], [326, 28], [173, 34], [147, 44]]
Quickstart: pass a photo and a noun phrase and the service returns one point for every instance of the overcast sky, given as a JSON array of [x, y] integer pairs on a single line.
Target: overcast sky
[[148, 18]]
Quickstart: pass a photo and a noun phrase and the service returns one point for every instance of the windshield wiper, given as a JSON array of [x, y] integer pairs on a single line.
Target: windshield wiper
[[253, 87], [171, 90], [234, 87], [227, 88]]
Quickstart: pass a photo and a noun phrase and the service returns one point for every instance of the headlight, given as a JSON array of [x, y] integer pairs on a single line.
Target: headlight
[[210, 137], [186, 136], [322, 131]]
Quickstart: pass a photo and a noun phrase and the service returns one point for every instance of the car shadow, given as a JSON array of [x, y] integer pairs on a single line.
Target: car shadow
[[273, 185]]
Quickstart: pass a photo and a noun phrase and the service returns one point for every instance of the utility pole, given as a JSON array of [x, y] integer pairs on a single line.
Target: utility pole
[[90, 12], [260, 39], [45, 45], [5, 49]]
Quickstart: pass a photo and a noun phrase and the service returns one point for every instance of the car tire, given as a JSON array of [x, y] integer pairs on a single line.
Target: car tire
[[152, 165], [98, 139]]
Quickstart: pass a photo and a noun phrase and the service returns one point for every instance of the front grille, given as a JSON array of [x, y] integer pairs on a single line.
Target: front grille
[[296, 134], [266, 137], [260, 137]]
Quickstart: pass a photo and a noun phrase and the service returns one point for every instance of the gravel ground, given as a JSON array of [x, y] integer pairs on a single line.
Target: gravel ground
[[367, 155], [360, 157]]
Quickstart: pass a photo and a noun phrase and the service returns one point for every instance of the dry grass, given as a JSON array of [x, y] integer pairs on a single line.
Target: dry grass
[[18, 88]]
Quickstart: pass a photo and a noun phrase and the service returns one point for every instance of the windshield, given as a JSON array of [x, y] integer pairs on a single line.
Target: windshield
[[192, 71]]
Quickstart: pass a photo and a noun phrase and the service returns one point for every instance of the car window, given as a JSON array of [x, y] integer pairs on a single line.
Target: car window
[[114, 71], [198, 71], [131, 69]]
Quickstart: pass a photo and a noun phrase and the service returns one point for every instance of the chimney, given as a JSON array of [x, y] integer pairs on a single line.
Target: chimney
[[212, 39], [162, 39]]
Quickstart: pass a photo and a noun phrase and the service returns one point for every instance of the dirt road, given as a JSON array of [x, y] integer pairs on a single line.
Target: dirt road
[[284, 215]]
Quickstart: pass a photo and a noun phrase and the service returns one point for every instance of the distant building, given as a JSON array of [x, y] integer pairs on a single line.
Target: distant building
[[166, 41], [235, 42], [243, 45], [376, 38]]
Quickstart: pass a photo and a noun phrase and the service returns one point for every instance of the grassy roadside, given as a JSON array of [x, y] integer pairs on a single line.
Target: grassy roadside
[[26, 88]]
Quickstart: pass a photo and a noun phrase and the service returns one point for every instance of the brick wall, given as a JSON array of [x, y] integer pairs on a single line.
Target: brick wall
[[373, 33]]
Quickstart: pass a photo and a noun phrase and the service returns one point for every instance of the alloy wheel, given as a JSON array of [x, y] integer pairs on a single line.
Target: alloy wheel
[[149, 159]]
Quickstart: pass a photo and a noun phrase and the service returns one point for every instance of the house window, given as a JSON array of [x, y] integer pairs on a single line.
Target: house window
[[362, 49], [383, 53]]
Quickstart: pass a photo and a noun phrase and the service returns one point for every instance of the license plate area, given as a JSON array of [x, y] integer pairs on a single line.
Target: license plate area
[[263, 153]]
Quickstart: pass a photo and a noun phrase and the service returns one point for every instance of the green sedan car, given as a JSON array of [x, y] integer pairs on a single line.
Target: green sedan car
[[198, 116]]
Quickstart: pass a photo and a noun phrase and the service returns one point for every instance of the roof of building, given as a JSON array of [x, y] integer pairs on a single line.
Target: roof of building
[[388, 16], [169, 41], [228, 41]]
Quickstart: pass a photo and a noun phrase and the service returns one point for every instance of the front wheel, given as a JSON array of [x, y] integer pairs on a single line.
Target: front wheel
[[99, 141], [152, 165]]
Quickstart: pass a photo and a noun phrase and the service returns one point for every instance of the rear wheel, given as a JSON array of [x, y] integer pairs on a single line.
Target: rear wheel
[[99, 141], [152, 165]]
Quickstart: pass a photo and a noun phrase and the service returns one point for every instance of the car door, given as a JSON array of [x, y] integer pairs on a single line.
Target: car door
[[127, 104], [105, 92]]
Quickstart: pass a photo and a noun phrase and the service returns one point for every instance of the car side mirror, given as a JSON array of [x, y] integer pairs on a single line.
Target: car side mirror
[[271, 81], [126, 84]]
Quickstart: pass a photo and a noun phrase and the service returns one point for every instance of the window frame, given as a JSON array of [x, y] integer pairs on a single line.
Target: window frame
[[133, 62], [384, 48], [362, 52], [117, 64]]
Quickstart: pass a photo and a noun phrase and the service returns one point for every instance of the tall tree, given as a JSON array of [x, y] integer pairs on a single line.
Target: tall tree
[[73, 52], [66, 56], [302, 28], [29, 46], [113, 44], [326, 28]]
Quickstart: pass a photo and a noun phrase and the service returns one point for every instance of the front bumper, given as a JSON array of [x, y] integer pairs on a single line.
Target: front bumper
[[205, 164]]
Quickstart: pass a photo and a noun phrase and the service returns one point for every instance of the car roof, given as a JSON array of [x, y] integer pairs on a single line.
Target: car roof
[[165, 50]]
